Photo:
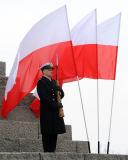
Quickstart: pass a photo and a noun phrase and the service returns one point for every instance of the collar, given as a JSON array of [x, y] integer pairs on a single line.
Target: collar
[[48, 78]]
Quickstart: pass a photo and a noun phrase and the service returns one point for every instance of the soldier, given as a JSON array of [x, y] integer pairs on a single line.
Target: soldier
[[51, 122]]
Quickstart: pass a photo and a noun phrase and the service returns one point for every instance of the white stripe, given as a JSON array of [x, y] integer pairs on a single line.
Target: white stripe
[[85, 31], [108, 31], [49, 30]]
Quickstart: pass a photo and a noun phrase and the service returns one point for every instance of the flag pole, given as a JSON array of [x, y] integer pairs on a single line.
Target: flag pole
[[112, 104], [98, 116], [111, 114], [83, 115], [85, 125], [98, 121], [61, 112]]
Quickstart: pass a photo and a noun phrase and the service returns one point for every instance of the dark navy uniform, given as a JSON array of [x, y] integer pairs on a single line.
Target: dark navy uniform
[[50, 122]]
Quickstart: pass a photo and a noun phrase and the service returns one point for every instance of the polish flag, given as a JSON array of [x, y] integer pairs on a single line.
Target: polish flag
[[95, 47], [84, 39], [48, 37], [107, 46]]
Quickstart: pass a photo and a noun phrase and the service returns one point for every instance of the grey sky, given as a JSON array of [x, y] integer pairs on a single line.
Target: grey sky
[[17, 17]]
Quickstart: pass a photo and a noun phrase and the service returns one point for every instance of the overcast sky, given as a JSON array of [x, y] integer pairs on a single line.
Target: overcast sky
[[18, 16]]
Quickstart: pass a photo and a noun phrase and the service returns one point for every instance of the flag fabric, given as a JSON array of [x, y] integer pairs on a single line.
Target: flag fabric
[[84, 39], [48, 37], [107, 47], [35, 105], [94, 48]]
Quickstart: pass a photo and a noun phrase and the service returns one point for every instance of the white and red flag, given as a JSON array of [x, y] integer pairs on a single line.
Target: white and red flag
[[83, 37], [84, 41], [94, 48], [107, 47], [48, 37]]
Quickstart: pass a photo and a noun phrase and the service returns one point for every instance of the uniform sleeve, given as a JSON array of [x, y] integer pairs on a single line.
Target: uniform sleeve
[[44, 97]]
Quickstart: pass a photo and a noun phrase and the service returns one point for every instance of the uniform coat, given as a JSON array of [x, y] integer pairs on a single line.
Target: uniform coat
[[50, 121]]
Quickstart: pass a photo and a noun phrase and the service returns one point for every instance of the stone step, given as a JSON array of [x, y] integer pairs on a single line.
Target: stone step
[[2, 68], [19, 129], [19, 156], [22, 113], [35, 145], [80, 156], [58, 156]]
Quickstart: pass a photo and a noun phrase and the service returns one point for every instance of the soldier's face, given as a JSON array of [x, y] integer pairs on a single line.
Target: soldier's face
[[47, 72]]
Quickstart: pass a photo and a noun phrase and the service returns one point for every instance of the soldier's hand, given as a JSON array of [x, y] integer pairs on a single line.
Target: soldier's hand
[[61, 112], [59, 104]]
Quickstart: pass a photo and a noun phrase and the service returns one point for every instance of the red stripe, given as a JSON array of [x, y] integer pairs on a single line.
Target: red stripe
[[86, 60], [86, 57], [107, 58], [12, 99], [86, 64], [28, 72]]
